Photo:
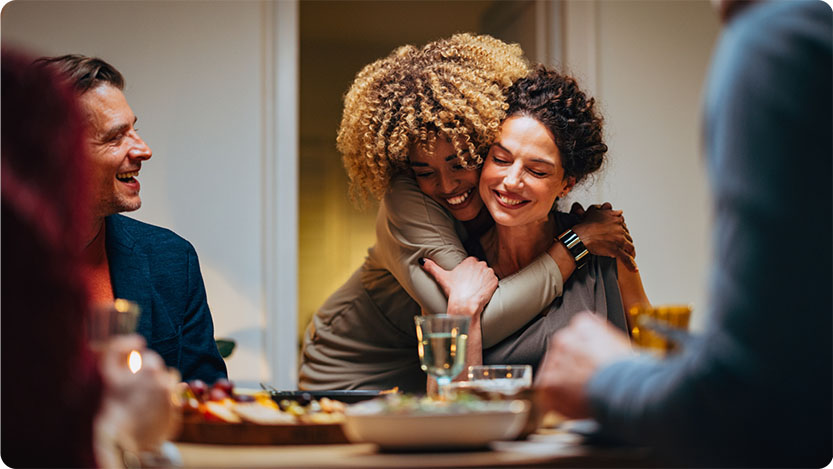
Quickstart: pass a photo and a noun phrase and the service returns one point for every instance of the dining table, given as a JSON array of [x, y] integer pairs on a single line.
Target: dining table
[[544, 448]]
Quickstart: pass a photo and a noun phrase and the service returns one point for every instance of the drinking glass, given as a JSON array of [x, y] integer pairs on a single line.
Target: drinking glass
[[442, 346], [503, 379], [111, 319], [659, 329]]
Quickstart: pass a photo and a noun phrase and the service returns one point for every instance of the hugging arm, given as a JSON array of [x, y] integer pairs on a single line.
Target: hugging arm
[[411, 226], [474, 283], [630, 286]]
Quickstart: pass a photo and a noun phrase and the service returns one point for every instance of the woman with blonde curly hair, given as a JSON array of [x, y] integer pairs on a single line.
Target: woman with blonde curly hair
[[415, 127]]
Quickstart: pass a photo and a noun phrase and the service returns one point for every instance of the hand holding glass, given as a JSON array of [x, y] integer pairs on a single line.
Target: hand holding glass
[[442, 346], [140, 404]]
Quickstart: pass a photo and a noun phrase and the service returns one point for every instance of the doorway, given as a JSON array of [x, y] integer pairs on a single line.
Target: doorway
[[338, 38]]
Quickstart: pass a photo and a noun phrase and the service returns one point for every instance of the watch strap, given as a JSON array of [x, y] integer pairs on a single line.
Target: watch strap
[[577, 249]]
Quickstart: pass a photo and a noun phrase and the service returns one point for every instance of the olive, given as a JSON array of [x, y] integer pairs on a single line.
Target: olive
[[304, 399]]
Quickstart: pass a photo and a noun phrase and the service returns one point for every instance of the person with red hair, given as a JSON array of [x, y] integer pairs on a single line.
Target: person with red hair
[[62, 404]]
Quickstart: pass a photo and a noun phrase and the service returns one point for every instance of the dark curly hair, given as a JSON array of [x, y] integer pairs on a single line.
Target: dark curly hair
[[556, 101]]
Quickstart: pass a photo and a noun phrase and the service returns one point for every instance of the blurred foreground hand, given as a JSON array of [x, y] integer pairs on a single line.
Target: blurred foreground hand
[[140, 410], [575, 353]]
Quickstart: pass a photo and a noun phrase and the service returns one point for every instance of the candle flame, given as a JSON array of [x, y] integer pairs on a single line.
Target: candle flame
[[134, 361]]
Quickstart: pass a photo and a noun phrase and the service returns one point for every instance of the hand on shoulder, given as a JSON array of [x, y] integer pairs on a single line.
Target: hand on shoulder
[[604, 233]]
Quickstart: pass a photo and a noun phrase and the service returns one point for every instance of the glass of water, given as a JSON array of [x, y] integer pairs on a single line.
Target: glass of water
[[503, 379], [442, 346]]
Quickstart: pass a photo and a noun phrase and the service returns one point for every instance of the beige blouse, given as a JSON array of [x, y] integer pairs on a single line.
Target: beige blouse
[[364, 337]]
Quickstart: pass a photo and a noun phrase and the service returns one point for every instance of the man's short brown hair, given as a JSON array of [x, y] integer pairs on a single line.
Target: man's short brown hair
[[84, 73]]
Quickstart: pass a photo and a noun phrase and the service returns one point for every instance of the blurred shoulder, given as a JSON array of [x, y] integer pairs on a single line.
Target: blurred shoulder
[[775, 21]]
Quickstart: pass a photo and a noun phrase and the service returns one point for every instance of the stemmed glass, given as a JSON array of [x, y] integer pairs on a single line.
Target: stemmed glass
[[442, 346]]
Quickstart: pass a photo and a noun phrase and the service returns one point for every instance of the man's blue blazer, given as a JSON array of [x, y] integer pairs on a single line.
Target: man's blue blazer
[[159, 270]]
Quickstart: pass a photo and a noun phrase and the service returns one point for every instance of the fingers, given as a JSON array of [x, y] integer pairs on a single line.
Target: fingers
[[626, 254], [629, 263], [577, 209], [626, 246], [151, 361], [606, 208], [432, 268], [175, 376]]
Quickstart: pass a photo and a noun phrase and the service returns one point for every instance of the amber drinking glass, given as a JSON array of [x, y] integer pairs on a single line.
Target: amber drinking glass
[[659, 328]]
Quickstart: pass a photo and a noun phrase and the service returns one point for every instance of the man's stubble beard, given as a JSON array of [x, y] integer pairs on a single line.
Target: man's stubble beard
[[112, 207]]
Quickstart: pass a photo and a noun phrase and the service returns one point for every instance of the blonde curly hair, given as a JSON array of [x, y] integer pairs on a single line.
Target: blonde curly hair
[[451, 88]]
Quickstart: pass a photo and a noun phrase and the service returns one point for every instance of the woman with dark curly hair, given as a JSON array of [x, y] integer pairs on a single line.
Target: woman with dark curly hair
[[550, 141], [415, 127]]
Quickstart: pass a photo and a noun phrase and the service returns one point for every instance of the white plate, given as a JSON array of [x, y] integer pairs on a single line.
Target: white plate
[[502, 421]]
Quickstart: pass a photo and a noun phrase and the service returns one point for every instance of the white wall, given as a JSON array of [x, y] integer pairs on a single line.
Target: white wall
[[646, 61], [200, 83]]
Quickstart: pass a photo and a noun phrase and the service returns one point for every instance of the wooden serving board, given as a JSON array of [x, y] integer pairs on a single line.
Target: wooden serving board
[[222, 433]]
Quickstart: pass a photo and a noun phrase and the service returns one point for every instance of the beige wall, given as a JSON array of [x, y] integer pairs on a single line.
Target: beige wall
[[196, 80], [646, 61]]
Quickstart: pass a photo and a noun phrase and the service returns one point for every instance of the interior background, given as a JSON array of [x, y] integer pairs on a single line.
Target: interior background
[[240, 102]]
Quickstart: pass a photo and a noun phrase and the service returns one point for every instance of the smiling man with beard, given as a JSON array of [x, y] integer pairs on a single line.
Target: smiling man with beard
[[128, 259]]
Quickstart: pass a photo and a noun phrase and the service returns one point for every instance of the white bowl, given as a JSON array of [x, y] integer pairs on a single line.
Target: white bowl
[[397, 431]]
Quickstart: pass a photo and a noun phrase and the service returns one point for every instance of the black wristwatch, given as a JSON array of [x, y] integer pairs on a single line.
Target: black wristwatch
[[577, 249]]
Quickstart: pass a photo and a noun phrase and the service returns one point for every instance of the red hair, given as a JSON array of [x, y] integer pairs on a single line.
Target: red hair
[[52, 388]]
